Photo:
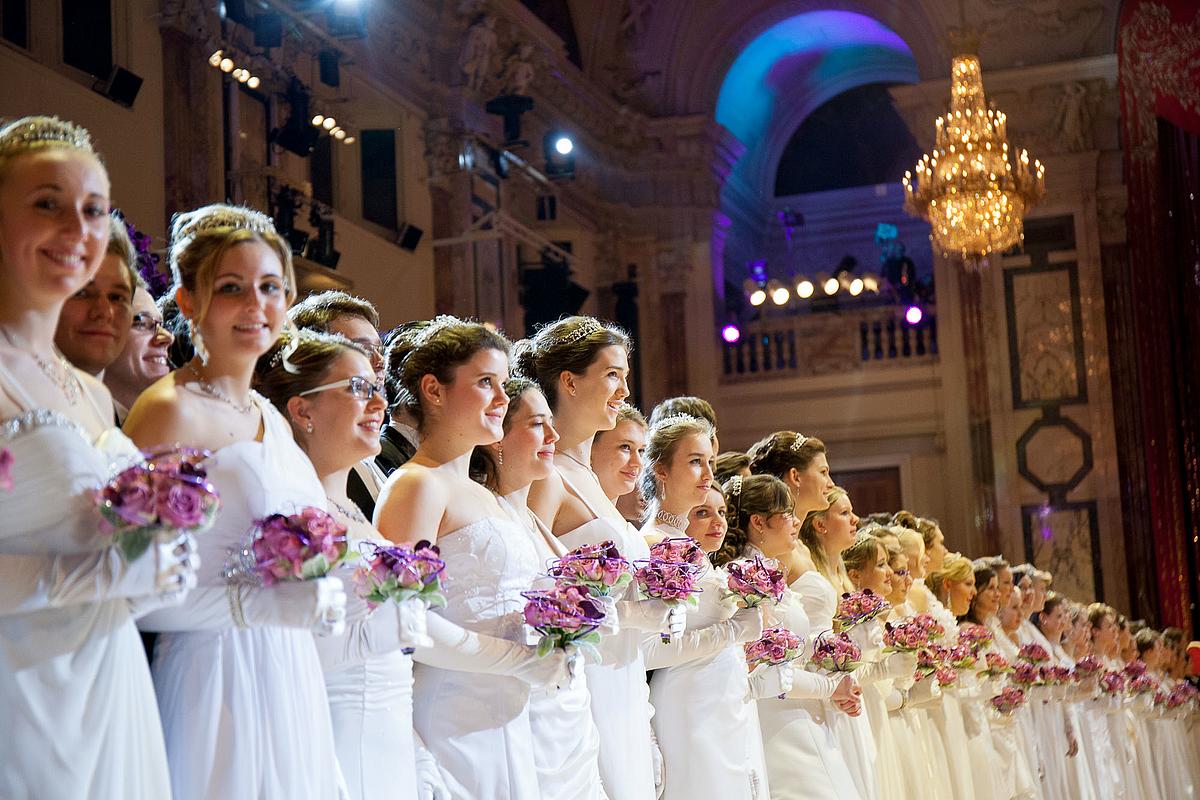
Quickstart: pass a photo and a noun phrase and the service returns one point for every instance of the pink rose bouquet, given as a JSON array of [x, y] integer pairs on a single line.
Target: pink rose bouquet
[[834, 652], [929, 659], [1142, 684], [946, 675], [600, 568], [1008, 701], [169, 489], [1086, 668], [756, 580], [1055, 676], [1033, 653], [996, 665], [296, 547], [1135, 669], [974, 637], [671, 573], [402, 572], [1112, 683], [679, 550], [856, 608], [961, 656], [911, 635], [775, 646], [564, 615], [1026, 674]]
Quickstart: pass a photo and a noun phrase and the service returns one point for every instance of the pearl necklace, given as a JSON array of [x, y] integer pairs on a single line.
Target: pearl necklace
[[216, 394]]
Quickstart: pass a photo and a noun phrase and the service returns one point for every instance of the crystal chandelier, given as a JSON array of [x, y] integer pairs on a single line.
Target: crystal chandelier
[[967, 187]]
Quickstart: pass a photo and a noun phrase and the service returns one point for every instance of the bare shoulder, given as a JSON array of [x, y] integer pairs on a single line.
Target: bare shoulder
[[413, 500], [163, 415], [545, 497]]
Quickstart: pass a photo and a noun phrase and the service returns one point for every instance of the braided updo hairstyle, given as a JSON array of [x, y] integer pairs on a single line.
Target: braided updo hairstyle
[[783, 451], [744, 497], [435, 347]]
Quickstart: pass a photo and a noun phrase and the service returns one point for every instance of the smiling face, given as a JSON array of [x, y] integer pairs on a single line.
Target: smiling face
[[595, 396], [528, 446], [53, 225], [687, 476], [144, 359], [961, 594], [811, 486], [707, 523], [249, 302], [617, 457], [876, 574], [471, 407], [345, 427], [363, 334], [94, 324], [838, 527], [987, 598]]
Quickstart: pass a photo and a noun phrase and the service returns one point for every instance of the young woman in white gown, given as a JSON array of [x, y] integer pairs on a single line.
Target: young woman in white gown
[[705, 718], [236, 671], [1053, 621], [336, 409], [868, 567], [451, 373], [567, 744], [581, 366], [1105, 718], [827, 533], [617, 462], [76, 693]]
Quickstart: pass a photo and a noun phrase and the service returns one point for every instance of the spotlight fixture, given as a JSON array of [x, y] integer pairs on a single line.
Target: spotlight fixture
[[338, 134], [348, 140], [804, 288], [226, 64], [758, 297], [856, 287], [559, 151], [329, 123], [253, 82], [215, 59], [913, 315], [731, 333], [317, 120], [829, 284], [871, 282], [779, 293]]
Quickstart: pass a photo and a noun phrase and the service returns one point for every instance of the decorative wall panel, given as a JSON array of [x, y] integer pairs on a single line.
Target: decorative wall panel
[[1065, 539]]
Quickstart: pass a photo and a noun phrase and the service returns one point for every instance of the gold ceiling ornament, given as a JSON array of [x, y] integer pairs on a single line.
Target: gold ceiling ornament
[[970, 187]]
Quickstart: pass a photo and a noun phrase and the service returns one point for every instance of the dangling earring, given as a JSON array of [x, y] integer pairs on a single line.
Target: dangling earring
[[500, 454], [309, 429], [197, 342]]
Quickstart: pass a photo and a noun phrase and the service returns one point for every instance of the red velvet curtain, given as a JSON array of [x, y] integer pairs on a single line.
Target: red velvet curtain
[[1159, 57]]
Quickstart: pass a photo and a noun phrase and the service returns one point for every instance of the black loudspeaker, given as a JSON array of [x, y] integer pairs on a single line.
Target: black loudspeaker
[[235, 11], [327, 60], [409, 237], [121, 86], [268, 30]]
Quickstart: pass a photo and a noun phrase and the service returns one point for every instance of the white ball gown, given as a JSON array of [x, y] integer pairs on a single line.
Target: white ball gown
[[476, 725], [369, 680], [244, 710], [820, 601], [79, 709], [566, 743], [803, 754], [706, 722], [620, 696]]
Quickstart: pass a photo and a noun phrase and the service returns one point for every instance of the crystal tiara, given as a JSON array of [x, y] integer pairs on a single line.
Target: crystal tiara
[[34, 130], [586, 328], [675, 419], [227, 217], [435, 326]]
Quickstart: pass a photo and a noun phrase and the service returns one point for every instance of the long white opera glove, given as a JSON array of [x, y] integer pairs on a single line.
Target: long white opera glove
[[650, 616], [924, 692], [161, 575], [771, 680], [391, 626], [658, 764], [318, 605], [458, 648], [431, 783], [699, 644], [892, 666], [612, 620]]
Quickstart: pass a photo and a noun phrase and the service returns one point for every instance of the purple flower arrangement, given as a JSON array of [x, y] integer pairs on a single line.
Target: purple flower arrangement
[[1135, 669], [1055, 676], [996, 665], [564, 615], [1142, 684], [1112, 683], [1008, 701], [1026, 674], [600, 568], [961, 656], [679, 550], [296, 547], [1033, 653], [168, 489], [1180, 695], [858, 607], [834, 652], [946, 675], [775, 646], [756, 580], [911, 635], [6, 465], [975, 637], [401, 572], [1086, 668], [671, 572]]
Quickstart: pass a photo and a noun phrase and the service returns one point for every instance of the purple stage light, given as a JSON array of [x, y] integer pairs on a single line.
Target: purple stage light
[[731, 333], [913, 315]]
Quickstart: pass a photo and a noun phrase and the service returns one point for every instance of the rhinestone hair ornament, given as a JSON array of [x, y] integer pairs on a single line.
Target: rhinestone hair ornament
[[733, 496], [801, 440], [675, 419], [25, 134], [585, 329], [435, 326]]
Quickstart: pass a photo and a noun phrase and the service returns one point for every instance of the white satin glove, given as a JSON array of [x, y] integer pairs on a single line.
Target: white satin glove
[[166, 572], [771, 680], [892, 666], [555, 670], [925, 692], [747, 624], [318, 605], [658, 764], [649, 616], [431, 785], [458, 648], [611, 625], [414, 624]]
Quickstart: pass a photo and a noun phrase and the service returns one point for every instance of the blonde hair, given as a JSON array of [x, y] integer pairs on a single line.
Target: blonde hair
[[835, 570], [32, 134], [956, 567], [863, 552], [661, 444], [201, 238]]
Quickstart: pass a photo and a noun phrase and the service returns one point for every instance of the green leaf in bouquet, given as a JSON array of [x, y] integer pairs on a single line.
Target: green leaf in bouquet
[[316, 567], [132, 542], [544, 646]]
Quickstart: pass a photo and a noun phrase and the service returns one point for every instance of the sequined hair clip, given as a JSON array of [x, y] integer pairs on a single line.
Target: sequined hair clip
[[734, 487], [801, 440], [39, 130]]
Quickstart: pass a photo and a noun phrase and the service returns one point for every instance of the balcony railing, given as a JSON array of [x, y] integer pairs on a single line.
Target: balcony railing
[[830, 343]]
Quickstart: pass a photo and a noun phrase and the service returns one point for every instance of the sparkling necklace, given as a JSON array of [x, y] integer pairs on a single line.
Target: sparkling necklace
[[216, 394], [60, 374], [674, 520], [349, 513]]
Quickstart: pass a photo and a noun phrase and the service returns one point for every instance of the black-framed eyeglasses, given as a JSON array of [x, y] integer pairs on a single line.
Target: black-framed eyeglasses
[[145, 323], [361, 388], [902, 573]]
